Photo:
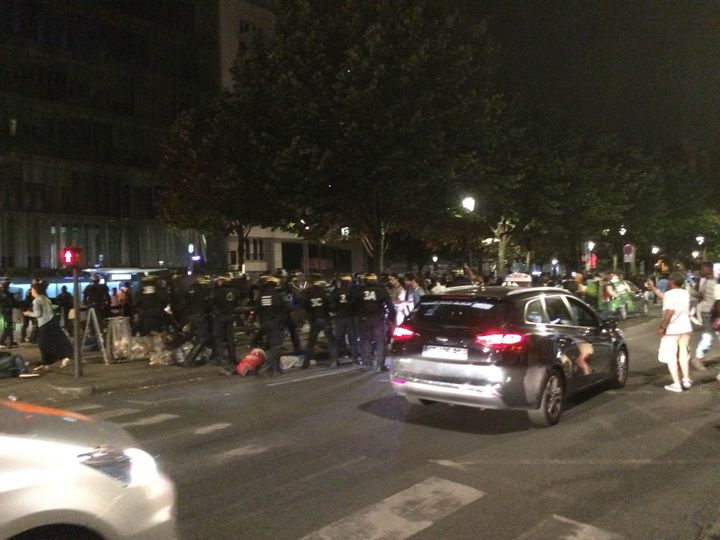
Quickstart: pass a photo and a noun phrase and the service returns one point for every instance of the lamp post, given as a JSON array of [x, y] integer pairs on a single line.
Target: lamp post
[[588, 257], [468, 203], [700, 239]]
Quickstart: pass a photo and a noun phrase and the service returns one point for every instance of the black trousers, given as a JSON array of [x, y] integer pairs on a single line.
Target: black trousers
[[317, 326], [224, 336]]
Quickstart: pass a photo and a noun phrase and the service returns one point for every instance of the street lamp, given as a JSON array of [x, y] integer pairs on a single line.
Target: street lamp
[[695, 254], [468, 203], [655, 250]]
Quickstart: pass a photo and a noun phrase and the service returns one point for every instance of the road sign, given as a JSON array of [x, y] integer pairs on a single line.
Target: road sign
[[628, 249]]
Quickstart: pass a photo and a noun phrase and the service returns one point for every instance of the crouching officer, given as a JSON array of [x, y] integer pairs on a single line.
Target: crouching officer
[[373, 305], [224, 298], [272, 309], [316, 304]]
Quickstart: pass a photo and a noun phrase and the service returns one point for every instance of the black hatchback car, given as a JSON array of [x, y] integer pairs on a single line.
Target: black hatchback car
[[505, 348]]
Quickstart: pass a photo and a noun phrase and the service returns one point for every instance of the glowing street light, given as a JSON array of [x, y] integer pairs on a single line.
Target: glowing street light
[[622, 230], [695, 254], [655, 250], [591, 245], [700, 240], [434, 259], [468, 203]]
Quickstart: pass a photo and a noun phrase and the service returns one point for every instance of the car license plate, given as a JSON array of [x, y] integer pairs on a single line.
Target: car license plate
[[445, 353]]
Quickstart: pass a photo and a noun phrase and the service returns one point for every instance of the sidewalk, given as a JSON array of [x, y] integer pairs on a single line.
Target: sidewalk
[[59, 385]]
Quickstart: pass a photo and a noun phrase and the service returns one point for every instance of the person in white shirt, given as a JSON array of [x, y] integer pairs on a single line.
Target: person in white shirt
[[674, 331]]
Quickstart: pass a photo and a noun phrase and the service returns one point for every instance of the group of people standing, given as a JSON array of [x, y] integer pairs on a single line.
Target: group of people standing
[[355, 315]]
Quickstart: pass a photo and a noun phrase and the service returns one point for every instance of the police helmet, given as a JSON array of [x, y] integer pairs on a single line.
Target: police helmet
[[346, 277], [371, 278], [274, 280]]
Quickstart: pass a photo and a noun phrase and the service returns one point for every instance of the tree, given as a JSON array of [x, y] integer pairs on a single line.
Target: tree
[[377, 101]]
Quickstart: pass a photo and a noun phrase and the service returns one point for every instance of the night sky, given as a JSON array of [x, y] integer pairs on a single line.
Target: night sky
[[648, 70]]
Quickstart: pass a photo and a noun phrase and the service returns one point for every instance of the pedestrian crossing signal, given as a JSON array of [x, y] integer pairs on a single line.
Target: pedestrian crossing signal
[[71, 256]]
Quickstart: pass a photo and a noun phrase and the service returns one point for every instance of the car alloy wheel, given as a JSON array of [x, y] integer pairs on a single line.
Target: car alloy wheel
[[620, 369], [551, 403]]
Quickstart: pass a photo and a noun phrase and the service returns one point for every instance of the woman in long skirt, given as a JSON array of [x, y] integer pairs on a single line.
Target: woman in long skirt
[[52, 341]]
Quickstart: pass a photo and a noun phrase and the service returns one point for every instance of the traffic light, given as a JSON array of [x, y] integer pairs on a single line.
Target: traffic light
[[71, 256]]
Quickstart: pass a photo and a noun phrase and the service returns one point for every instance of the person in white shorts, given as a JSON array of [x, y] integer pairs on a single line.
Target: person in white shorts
[[674, 331]]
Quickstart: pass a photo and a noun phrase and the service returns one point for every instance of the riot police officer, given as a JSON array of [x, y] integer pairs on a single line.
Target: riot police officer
[[7, 304], [151, 304], [224, 299], [317, 307], [272, 309], [97, 296], [373, 304], [341, 304]]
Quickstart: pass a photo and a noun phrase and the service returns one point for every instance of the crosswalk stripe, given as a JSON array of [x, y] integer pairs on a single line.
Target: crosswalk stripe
[[88, 407], [562, 527], [107, 415], [211, 428], [150, 420], [328, 373], [403, 514]]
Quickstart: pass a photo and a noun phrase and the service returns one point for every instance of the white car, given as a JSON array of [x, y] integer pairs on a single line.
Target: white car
[[66, 476]]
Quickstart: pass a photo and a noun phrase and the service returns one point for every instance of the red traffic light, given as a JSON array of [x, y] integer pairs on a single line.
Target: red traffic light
[[71, 256]]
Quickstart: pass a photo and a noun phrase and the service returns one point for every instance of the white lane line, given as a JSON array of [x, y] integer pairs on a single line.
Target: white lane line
[[114, 413], [244, 451], [562, 527], [329, 373], [211, 428], [88, 407], [402, 515], [150, 420]]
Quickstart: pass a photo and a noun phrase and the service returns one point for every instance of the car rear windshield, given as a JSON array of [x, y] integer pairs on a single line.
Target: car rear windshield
[[459, 312]]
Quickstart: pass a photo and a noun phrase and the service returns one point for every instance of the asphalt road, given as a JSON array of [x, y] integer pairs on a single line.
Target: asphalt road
[[332, 453]]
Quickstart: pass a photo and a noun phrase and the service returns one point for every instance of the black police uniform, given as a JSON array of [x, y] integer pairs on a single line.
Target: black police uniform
[[346, 333], [97, 296], [7, 304], [373, 304], [272, 309], [224, 299], [151, 303], [316, 304]]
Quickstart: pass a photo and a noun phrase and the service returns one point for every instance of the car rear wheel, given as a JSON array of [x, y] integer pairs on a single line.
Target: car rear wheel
[[551, 403], [620, 369]]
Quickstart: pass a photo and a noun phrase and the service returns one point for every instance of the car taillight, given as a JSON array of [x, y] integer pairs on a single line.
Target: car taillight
[[502, 342], [402, 333]]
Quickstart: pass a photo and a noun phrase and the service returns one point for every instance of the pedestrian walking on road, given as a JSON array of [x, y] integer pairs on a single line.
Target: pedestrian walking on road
[[705, 295], [674, 331], [52, 341]]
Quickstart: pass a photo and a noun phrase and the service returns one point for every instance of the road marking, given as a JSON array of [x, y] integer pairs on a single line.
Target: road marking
[[88, 407], [150, 420], [244, 451], [107, 415], [404, 514], [328, 373], [562, 527], [211, 428]]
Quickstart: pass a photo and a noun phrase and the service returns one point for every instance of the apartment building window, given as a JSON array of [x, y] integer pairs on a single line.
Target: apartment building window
[[254, 249]]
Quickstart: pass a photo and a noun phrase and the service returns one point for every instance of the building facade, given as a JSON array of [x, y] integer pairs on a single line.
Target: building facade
[[87, 90]]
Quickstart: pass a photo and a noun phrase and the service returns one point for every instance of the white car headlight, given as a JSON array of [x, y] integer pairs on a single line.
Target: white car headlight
[[130, 466]]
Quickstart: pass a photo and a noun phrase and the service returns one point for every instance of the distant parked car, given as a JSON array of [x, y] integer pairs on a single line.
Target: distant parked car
[[505, 348], [65, 476]]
